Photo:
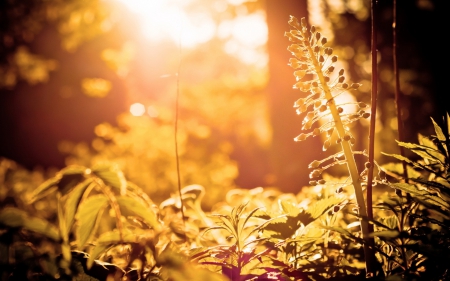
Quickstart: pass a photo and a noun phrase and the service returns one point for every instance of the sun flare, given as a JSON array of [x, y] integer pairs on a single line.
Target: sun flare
[[167, 19]]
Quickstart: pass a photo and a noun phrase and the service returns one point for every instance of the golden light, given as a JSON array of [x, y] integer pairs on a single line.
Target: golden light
[[167, 19], [137, 109], [247, 34]]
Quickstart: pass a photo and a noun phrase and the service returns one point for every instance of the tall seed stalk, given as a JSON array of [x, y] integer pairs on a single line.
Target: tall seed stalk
[[314, 64]]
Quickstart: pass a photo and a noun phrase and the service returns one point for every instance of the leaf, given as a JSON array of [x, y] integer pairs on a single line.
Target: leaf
[[289, 208], [424, 151], [425, 141], [320, 207], [409, 188], [44, 189], [385, 234], [16, 218], [402, 158], [439, 133], [111, 175], [73, 200], [344, 232], [64, 180], [422, 194], [138, 209], [390, 221], [397, 168], [111, 238], [88, 215]]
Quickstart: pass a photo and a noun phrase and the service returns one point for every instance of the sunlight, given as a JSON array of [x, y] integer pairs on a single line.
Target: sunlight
[[246, 34], [166, 19]]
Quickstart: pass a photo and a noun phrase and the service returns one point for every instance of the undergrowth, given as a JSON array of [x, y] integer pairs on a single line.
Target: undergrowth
[[97, 225]]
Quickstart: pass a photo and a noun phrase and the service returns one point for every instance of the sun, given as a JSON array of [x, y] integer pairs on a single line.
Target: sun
[[168, 19]]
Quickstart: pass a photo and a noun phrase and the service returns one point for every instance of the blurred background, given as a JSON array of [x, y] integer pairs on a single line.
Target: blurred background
[[88, 81]]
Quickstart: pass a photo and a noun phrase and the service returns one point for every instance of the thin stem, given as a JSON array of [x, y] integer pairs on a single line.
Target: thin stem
[[351, 163], [374, 97], [177, 157], [397, 87]]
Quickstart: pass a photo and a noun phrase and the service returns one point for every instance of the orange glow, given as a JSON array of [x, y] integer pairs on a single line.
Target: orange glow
[[247, 33], [137, 109], [162, 19]]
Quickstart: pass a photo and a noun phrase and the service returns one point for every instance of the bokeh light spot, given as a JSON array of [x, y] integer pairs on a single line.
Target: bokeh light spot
[[137, 109]]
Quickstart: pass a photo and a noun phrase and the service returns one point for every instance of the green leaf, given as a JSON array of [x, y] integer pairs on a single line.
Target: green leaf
[[439, 133], [111, 175], [138, 209], [88, 215], [422, 194], [344, 232], [289, 208], [322, 206], [397, 168], [73, 200], [441, 149], [424, 151], [16, 218], [44, 189], [402, 158], [64, 180], [390, 221], [111, 238], [409, 188]]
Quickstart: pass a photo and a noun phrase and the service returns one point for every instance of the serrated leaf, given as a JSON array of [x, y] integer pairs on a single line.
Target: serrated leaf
[[88, 215], [73, 201], [111, 175], [402, 158], [282, 227], [320, 207], [138, 209], [424, 151], [409, 188], [422, 194], [439, 133], [344, 232], [397, 168], [289, 208], [16, 218]]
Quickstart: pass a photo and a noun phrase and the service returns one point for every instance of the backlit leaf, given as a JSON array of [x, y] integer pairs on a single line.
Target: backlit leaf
[[138, 209], [88, 215], [16, 218], [322, 206], [73, 200], [64, 180], [111, 175], [111, 238], [424, 151], [439, 133]]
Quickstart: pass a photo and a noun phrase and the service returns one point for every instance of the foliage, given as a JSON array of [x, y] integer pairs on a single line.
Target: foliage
[[76, 22], [100, 224], [146, 143]]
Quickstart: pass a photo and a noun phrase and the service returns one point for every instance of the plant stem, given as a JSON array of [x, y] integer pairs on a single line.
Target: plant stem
[[397, 87], [349, 156], [374, 96]]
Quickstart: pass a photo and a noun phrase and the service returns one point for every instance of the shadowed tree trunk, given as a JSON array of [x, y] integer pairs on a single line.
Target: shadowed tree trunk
[[289, 159]]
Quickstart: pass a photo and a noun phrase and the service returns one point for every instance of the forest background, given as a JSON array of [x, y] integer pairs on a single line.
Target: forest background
[[83, 82]]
